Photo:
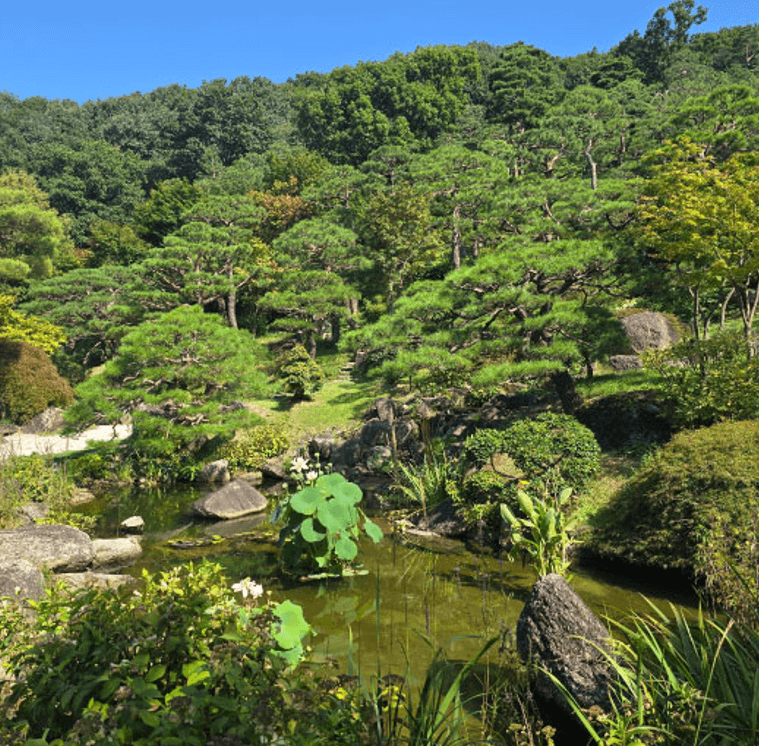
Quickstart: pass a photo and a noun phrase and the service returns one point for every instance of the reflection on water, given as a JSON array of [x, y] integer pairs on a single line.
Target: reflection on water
[[376, 623]]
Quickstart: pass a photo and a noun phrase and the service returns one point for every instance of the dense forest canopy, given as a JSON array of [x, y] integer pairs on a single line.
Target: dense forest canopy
[[460, 214]]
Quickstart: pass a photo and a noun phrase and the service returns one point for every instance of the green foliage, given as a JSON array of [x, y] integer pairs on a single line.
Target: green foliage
[[29, 382], [432, 482], [693, 507], [482, 445], [709, 380], [177, 661], [177, 376], [251, 448], [30, 479], [298, 374], [322, 524], [543, 533], [484, 486], [38, 332], [680, 681], [554, 449], [33, 236]]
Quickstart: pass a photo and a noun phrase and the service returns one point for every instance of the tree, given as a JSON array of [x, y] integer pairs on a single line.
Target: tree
[[33, 236], [21, 327], [176, 376], [397, 229], [161, 213], [212, 256], [700, 217], [663, 38]]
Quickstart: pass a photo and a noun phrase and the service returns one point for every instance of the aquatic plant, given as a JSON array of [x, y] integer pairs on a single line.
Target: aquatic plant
[[321, 526]]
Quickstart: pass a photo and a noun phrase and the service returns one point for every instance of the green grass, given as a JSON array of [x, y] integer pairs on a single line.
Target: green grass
[[622, 382], [337, 406]]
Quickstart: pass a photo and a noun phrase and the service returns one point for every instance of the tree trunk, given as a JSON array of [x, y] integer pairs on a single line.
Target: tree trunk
[[593, 167], [456, 237]]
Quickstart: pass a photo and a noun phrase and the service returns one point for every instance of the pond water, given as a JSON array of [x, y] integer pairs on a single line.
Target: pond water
[[414, 589]]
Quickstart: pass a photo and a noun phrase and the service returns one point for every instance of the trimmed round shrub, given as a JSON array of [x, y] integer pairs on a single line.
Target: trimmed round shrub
[[484, 486], [29, 382], [694, 506], [482, 445], [554, 449]]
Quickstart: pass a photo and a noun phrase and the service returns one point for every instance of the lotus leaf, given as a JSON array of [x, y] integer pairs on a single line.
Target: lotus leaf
[[293, 626], [346, 549], [309, 533], [373, 531], [307, 500], [337, 514]]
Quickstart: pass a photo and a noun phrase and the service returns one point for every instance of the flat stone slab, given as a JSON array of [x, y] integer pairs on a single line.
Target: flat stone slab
[[76, 580], [234, 500], [55, 547]]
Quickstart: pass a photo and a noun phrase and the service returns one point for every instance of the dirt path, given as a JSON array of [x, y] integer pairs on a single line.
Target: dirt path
[[21, 444]]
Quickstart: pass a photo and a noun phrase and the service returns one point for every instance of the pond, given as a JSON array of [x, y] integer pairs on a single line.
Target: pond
[[417, 592]]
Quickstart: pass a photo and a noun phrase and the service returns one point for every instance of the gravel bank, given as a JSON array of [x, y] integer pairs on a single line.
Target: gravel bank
[[21, 444]]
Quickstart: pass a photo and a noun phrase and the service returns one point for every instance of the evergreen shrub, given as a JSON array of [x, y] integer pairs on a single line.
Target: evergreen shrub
[[251, 448], [298, 374], [694, 506], [29, 382]]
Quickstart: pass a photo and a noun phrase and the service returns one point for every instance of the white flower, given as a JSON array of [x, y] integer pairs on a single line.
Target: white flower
[[311, 475], [299, 464], [248, 587]]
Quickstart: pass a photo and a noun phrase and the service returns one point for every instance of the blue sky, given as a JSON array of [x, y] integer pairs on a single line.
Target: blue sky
[[83, 50]]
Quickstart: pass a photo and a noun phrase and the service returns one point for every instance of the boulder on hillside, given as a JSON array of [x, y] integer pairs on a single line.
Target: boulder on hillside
[[47, 421], [648, 329], [113, 553], [559, 633], [234, 500], [52, 546], [20, 578]]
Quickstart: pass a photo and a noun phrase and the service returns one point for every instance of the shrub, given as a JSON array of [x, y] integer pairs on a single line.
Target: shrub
[[706, 381], [693, 507], [29, 382], [482, 445], [298, 374], [251, 448], [553, 449], [179, 661]]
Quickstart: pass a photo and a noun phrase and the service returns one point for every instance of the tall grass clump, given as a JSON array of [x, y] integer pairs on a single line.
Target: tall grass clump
[[681, 682]]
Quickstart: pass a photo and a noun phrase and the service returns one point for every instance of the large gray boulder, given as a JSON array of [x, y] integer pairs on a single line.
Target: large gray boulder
[[559, 633], [20, 578], [55, 547], [234, 500], [648, 329]]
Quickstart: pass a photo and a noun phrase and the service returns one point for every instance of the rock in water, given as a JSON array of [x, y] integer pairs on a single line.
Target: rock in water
[[234, 500], [559, 633]]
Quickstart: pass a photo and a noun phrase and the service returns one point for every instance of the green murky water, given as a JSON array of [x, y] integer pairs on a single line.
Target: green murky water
[[414, 588]]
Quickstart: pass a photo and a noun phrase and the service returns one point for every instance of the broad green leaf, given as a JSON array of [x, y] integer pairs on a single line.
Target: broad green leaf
[[346, 549], [155, 673], [309, 533], [373, 531], [307, 500], [292, 627]]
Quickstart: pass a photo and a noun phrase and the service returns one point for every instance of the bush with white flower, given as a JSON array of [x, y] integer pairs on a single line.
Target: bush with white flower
[[180, 660]]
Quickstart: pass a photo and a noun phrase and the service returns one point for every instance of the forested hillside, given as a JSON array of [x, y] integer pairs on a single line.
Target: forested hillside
[[462, 215]]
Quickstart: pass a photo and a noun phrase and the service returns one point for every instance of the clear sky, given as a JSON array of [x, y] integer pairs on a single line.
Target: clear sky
[[87, 49]]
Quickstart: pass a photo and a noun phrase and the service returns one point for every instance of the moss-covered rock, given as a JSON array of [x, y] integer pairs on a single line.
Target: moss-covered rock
[[29, 382]]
